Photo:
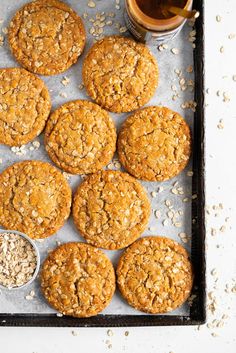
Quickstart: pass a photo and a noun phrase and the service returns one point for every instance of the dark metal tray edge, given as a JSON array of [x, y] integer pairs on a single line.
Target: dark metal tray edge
[[198, 308]]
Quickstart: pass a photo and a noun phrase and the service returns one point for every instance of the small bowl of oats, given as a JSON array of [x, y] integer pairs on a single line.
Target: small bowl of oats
[[19, 260]]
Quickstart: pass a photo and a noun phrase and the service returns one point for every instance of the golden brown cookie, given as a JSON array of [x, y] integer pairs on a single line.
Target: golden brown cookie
[[35, 198], [80, 137], [154, 144], [120, 74], [111, 209], [155, 275], [78, 280], [46, 36], [24, 106]]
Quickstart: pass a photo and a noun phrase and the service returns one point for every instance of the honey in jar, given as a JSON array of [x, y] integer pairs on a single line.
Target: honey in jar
[[151, 22]]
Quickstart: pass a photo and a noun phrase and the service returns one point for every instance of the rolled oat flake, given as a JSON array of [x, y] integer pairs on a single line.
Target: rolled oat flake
[[18, 260]]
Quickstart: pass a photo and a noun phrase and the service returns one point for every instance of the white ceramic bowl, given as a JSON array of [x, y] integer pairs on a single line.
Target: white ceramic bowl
[[37, 257]]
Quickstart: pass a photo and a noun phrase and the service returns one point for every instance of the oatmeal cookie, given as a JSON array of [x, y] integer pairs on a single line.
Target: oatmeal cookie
[[78, 280], [24, 106], [35, 198], [80, 137], [155, 275], [111, 209], [46, 36], [154, 144], [120, 74]]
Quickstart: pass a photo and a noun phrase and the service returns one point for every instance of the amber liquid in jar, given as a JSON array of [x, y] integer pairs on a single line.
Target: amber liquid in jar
[[151, 22], [155, 8]]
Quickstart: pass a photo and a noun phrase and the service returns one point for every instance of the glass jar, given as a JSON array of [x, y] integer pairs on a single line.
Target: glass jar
[[151, 30]]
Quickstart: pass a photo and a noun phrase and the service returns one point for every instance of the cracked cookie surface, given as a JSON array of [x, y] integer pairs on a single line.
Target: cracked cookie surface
[[154, 144], [46, 36], [155, 275], [35, 198], [111, 209], [80, 137], [24, 106], [120, 74], [78, 280]]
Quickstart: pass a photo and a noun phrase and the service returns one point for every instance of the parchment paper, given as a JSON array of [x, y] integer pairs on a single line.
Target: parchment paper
[[15, 302]]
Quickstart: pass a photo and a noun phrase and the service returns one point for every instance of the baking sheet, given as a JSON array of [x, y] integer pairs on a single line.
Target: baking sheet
[[14, 302]]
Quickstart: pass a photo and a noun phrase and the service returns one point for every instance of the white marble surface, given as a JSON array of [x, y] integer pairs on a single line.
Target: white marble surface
[[221, 188]]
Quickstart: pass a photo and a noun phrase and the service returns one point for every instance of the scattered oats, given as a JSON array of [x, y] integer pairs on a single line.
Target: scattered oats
[[29, 297], [220, 125], [175, 51], [225, 317], [184, 237], [59, 314], [232, 35], [110, 345], [74, 333], [36, 144], [174, 191], [178, 72], [109, 333], [154, 194], [222, 49], [233, 289], [123, 29], [91, 4], [118, 7], [218, 18], [234, 78], [65, 81], [226, 97], [111, 14], [222, 229], [4, 30], [189, 105], [58, 243], [194, 196], [170, 214], [63, 94], [168, 203], [0, 160], [157, 213], [214, 272], [1, 20], [165, 222], [162, 47], [31, 148], [178, 224], [109, 23], [213, 232], [81, 86], [214, 334], [126, 333], [85, 15]]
